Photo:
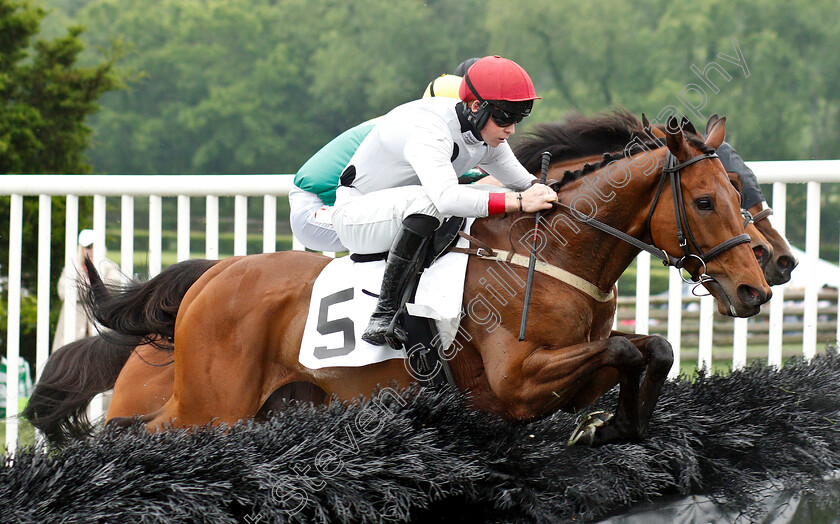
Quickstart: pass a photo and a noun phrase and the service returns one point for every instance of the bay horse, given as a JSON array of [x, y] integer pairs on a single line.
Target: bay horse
[[239, 325], [145, 381], [782, 260], [576, 142]]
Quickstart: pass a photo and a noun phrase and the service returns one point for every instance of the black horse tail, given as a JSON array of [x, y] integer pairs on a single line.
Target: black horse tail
[[72, 376], [141, 309]]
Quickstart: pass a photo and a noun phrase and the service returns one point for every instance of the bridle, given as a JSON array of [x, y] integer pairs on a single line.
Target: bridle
[[749, 218], [685, 237]]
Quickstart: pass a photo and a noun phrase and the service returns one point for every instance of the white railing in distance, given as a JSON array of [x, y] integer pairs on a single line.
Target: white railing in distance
[[269, 187]]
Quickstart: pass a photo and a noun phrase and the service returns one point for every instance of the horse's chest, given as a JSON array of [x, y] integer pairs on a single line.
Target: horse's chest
[[580, 322]]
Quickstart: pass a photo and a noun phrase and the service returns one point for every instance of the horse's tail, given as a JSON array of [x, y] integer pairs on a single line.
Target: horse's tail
[[142, 309], [72, 376]]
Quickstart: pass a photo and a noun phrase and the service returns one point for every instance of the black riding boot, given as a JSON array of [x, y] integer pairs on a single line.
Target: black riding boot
[[404, 258]]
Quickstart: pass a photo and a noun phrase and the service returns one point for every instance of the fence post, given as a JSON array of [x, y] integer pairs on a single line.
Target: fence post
[[155, 238], [95, 409], [240, 225], [812, 255], [777, 302], [643, 293], [675, 287], [71, 242], [269, 224], [42, 337], [127, 235], [13, 320], [211, 249], [183, 227], [706, 334]]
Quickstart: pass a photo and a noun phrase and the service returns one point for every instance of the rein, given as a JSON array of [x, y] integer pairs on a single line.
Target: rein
[[673, 169], [684, 235]]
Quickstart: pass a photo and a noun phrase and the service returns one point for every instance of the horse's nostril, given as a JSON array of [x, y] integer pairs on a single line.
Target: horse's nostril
[[761, 253], [751, 296], [786, 263]]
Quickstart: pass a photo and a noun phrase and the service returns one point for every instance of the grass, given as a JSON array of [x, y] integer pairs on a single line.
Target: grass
[[722, 358]]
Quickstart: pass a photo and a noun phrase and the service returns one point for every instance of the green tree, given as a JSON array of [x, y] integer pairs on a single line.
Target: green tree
[[45, 99], [242, 86]]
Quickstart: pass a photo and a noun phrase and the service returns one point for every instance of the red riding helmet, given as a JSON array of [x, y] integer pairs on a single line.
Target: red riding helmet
[[503, 88]]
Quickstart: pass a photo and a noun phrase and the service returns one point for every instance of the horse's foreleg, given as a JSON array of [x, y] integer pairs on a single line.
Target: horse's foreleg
[[659, 358], [550, 378], [628, 361]]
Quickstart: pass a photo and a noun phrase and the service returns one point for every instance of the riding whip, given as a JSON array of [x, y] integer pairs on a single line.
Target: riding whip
[[546, 158]]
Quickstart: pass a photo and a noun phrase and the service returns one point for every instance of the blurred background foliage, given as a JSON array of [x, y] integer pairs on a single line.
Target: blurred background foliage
[[257, 86]]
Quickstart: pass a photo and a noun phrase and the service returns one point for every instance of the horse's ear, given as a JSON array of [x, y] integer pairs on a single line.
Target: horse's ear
[[645, 123], [712, 120], [674, 137], [688, 126], [716, 134]]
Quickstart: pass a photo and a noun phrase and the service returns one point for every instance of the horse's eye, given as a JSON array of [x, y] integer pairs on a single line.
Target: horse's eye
[[704, 204]]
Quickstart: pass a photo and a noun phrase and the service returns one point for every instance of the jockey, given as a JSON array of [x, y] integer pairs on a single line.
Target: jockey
[[313, 194], [403, 179], [750, 190]]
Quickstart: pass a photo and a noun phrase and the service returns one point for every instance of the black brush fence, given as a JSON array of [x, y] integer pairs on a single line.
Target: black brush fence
[[745, 445]]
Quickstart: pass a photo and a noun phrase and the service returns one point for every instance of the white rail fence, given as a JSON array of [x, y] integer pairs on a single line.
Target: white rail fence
[[270, 187]]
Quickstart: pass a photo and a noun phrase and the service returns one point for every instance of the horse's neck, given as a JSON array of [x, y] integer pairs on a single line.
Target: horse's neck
[[558, 169], [605, 195], [622, 204]]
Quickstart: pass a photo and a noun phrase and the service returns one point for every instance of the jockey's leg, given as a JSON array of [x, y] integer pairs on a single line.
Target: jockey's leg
[[404, 259], [399, 220], [311, 221]]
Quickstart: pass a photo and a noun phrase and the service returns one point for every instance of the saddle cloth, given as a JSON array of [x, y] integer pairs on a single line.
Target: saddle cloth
[[340, 309]]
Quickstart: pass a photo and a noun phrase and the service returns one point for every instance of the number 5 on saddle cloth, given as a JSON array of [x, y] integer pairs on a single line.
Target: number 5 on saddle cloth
[[429, 314]]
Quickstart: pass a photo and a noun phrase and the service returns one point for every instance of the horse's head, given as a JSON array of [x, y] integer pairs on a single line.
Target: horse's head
[[761, 246], [780, 260], [709, 236]]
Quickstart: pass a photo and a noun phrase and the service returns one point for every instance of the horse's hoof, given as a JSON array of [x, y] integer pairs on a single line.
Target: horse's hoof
[[588, 424]]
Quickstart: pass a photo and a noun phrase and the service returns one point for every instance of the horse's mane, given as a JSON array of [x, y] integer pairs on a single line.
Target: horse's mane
[[580, 136], [577, 136]]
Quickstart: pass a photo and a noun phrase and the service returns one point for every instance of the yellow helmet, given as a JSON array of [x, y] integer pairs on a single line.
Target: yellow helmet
[[444, 85]]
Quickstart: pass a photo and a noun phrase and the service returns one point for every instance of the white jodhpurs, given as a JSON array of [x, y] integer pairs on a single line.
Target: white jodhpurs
[[311, 221], [369, 223]]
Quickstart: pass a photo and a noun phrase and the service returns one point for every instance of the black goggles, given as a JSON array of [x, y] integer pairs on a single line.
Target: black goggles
[[504, 118]]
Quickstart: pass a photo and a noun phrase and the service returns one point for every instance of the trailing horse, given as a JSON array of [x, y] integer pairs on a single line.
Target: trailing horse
[[80, 370]]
